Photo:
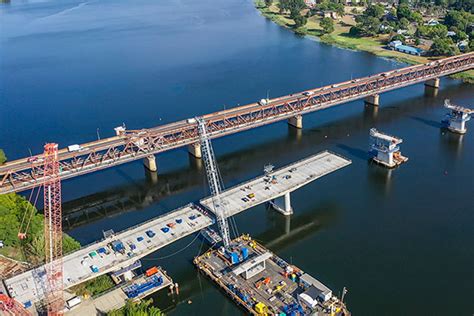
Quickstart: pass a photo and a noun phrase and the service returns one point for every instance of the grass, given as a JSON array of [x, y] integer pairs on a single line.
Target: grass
[[341, 38]]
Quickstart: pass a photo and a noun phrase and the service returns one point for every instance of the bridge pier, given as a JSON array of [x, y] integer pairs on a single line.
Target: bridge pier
[[150, 163], [282, 204], [372, 100], [195, 150], [296, 121], [433, 83]]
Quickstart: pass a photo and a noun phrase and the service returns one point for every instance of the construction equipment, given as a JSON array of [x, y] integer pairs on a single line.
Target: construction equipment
[[10, 306], [53, 231], [214, 181]]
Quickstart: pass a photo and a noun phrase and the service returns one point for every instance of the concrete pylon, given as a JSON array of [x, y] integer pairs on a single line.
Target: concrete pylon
[[372, 100], [296, 121], [150, 163], [195, 150], [433, 83], [283, 204]]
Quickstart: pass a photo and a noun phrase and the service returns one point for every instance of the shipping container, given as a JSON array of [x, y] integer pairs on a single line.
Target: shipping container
[[151, 271]]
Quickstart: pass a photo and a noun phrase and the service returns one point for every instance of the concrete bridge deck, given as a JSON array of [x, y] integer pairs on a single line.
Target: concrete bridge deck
[[77, 265], [288, 179]]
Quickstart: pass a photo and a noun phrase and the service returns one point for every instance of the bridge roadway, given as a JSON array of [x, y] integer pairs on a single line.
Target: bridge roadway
[[26, 173], [287, 179], [77, 265]]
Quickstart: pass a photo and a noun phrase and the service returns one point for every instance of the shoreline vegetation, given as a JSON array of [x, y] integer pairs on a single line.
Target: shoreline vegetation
[[341, 37]]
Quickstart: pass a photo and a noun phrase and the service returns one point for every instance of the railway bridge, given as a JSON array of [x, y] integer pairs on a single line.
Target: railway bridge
[[130, 145]]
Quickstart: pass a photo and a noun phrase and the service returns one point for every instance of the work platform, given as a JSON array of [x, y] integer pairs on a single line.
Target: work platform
[[138, 241], [278, 183]]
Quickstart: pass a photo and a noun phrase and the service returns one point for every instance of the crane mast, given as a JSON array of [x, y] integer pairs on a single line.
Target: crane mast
[[214, 181]]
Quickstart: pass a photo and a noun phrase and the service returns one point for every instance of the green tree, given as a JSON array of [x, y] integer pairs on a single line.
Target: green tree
[[443, 47], [299, 21], [3, 157], [375, 11], [327, 24], [459, 19], [268, 2], [404, 23], [404, 11], [142, 308]]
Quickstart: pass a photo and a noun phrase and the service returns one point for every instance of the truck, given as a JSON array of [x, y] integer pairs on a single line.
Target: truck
[[263, 101], [191, 121]]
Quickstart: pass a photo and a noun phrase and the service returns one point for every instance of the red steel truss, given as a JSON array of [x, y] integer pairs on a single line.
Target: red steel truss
[[27, 173], [53, 230], [9, 306]]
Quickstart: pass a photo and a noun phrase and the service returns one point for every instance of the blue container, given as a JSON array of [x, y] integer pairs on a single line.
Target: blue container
[[245, 253], [234, 258]]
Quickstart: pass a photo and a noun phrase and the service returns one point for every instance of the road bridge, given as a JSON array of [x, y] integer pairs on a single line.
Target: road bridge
[[91, 261], [127, 146]]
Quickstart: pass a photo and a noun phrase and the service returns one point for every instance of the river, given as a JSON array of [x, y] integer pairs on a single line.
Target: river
[[399, 240]]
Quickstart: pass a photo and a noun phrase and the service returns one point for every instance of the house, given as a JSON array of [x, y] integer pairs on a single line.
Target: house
[[463, 45], [432, 22], [310, 3], [330, 14], [398, 46], [350, 2]]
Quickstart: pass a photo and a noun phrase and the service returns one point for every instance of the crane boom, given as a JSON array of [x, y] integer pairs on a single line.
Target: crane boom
[[214, 181]]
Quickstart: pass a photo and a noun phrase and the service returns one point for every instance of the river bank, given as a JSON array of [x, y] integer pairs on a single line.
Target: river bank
[[341, 37]]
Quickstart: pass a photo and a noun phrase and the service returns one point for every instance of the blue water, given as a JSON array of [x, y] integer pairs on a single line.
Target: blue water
[[400, 240]]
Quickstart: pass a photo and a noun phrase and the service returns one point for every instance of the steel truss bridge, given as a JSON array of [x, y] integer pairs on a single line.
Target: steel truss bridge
[[27, 173]]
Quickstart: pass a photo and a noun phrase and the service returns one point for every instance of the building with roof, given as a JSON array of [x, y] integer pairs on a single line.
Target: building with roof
[[315, 289], [399, 46]]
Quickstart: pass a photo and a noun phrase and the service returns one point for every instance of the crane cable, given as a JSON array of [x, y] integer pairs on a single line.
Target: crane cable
[[21, 234], [176, 252]]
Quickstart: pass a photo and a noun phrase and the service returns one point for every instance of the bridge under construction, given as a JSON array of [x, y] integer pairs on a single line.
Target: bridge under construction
[[130, 145], [106, 256]]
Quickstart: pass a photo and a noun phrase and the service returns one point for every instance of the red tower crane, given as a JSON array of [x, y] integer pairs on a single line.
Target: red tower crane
[[53, 231]]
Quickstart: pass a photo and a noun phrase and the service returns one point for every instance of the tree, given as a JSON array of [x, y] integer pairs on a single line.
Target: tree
[[268, 3], [458, 19], [404, 11], [327, 24], [291, 5], [142, 308], [299, 21], [404, 23], [3, 157], [375, 11], [443, 47]]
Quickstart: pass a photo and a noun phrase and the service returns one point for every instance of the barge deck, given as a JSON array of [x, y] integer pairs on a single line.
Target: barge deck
[[264, 284]]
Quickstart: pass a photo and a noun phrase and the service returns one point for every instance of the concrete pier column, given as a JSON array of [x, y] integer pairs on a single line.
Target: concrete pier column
[[296, 121], [434, 83], [372, 100], [150, 163], [288, 208], [195, 150], [282, 204]]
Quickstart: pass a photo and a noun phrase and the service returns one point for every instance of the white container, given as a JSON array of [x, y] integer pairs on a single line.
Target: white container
[[73, 302], [74, 147]]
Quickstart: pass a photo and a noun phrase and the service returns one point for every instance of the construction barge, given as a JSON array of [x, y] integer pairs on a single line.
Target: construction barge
[[264, 284]]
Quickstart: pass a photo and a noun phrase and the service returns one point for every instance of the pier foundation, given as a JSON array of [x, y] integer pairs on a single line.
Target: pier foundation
[[150, 163], [195, 150], [372, 100], [296, 121], [433, 83], [282, 204]]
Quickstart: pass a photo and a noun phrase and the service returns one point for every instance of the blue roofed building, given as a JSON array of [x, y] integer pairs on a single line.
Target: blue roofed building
[[399, 46]]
